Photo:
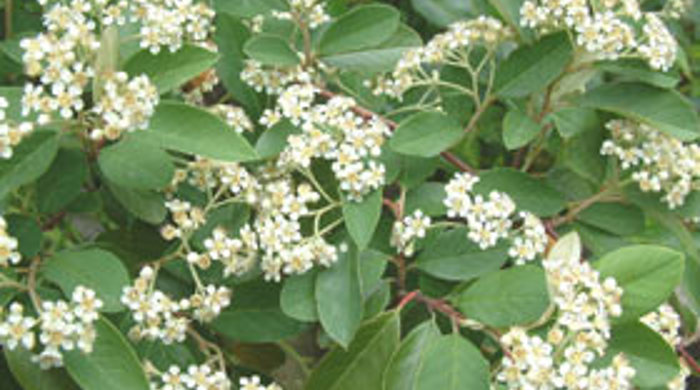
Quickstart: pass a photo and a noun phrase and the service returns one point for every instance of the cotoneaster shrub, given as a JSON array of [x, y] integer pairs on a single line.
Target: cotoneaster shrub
[[341, 195]]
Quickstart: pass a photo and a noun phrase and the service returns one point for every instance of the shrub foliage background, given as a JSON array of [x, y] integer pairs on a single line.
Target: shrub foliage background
[[331, 195]]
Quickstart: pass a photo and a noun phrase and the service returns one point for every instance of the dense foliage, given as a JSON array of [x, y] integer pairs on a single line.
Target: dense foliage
[[345, 194]]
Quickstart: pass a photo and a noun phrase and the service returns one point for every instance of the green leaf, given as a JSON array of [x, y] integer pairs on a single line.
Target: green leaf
[[453, 363], [380, 58], [112, 365], [510, 12], [148, 206], [362, 364], [230, 37], [249, 8], [572, 121], [428, 197], [442, 13], [168, 70], [426, 134], [273, 140], [271, 50], [403, 368], [339, 297], [515, 296], [63, 182], [581, 154], [361, 218], [27, 232], [361, 28], [188, 129], [616, 218], [32, 377], [529, 193], [136, 163], [31, 158], [297, 299], [255, 316], [652, 358], [647, 274], [665, 110], [452, 256], [96, 269], [531, 68], [639, 70], [518, 129]]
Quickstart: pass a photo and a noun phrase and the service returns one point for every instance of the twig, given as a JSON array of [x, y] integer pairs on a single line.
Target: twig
[[689, 359]]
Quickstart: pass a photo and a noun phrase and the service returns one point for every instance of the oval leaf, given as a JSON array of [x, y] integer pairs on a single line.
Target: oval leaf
[[92, 268], [403, 368], [453, 363], [647, 274], [363, 27], [32, 377], [135, 163], [271, 50], [426, 134], [31, 158], [112, 365], [188, 129], [361, 218], [518, 129], [529, 193], [297, 298], [514, 296], [360, 366]]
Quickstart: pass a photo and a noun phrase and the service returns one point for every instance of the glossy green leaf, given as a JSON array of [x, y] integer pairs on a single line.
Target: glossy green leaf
[[271, 50], [188, 129], [639, 70], [426, 134], [255, 315], [453, 363], [571, 121], [339, 297], [63, 182], [297, 299], [653, 359], [273, 140], [616, 218], [136, 163], [380, 58], [230, 37], [443, 12], [361, 28], [452, 256], [514, 296], [665, 110], [362, 364], [518, 129], [96, 269], [147, 206], [170, 70], [249, 8], [112, 365], [529, 193], [647, 274], [27, 232], [31, 158], [403, 368], [428, 197], [32, 377], [361, 218], [531, 68]]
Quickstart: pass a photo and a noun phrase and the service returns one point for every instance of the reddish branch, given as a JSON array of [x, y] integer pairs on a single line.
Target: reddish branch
[[692, 363], [367, 114], [53, 221]]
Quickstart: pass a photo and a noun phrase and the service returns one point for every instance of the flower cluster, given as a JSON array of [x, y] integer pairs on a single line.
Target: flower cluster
[[450, 47], [607, 29], [11, 133], [158, 317], [170, 23], [234, 117], [196, 377], [661, 163], [61, 326], [666, 322], [407, 231], [8, 246], [584, 307], [66, 58], [494, 217], [238, 255], [309, 12]]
